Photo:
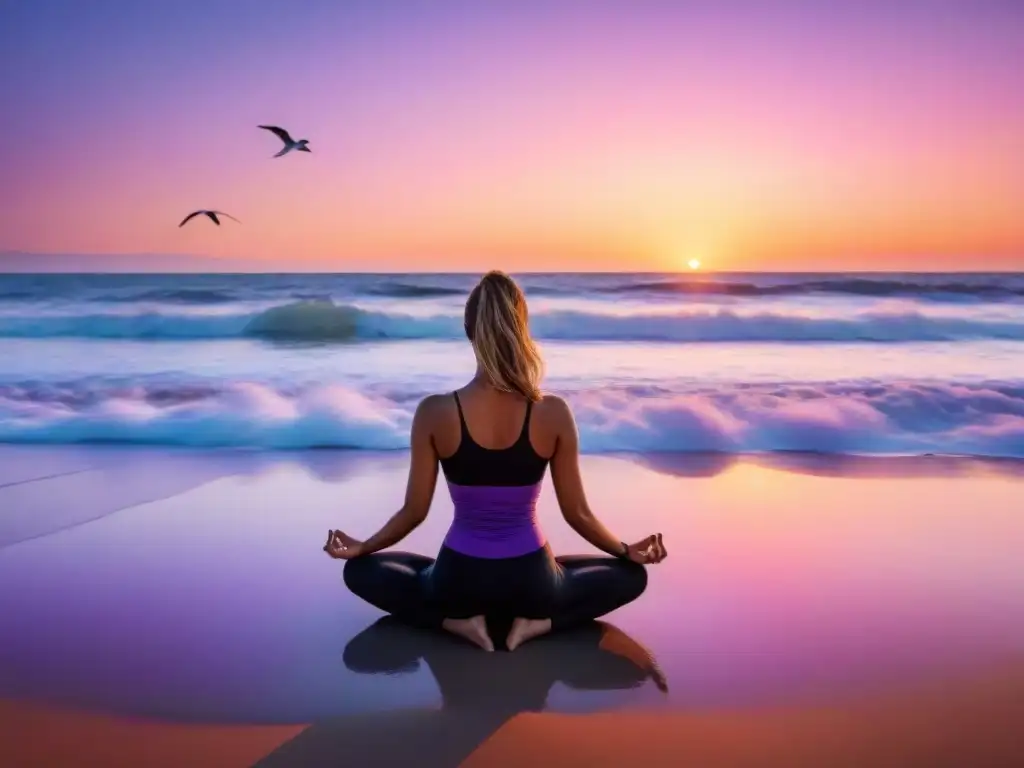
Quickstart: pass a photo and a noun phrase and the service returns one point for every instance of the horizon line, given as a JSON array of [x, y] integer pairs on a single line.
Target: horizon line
[[694, 273], [13, 261]]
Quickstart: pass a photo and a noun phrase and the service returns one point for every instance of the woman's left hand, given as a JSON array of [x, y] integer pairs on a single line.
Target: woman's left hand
[[648, 551], [341, 546]]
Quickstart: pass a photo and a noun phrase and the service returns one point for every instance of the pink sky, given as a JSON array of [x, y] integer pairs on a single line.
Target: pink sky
[[602, 136]]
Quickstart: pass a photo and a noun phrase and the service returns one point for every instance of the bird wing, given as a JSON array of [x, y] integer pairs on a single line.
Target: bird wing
[[281, 133], [190, 216], [221, 213], [213, 217]]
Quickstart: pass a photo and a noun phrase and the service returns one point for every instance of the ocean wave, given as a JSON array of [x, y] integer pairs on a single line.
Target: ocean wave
[[858, 286], [17, 295], [222, 289], [171, 296], [414, 291], [867, 417], [111, 295], [325, 321]]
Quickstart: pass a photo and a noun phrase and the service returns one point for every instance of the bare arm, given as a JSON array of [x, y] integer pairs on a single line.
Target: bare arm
[[419, 492], [565, 474]]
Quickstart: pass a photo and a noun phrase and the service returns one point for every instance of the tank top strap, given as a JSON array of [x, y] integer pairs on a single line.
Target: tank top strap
[[463, 429], [525, 433]]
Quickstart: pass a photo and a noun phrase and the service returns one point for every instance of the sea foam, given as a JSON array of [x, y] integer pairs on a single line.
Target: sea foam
[[854, 417]]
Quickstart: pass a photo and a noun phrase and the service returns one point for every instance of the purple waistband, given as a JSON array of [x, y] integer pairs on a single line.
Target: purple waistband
[[494, 521]]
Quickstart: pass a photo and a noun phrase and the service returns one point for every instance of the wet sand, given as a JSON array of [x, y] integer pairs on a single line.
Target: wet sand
[[42, 736], [187, 591], [971, 722]]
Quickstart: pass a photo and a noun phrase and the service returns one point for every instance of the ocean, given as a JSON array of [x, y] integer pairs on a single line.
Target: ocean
[[744, 363]]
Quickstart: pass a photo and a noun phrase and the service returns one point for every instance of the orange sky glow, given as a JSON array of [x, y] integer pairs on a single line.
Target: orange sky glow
[[824, 141]]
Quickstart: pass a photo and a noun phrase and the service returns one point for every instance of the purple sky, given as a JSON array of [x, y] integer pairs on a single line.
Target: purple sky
[[527, 135]]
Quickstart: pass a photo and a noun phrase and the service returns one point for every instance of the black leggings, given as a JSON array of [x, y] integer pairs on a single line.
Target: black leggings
[[570, 590]]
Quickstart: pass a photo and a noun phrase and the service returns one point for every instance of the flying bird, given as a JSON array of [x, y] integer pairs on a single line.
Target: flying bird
[[212, 214], [289, 142]]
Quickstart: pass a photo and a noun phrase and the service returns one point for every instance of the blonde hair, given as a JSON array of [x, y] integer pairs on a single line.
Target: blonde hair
[[497, 324]]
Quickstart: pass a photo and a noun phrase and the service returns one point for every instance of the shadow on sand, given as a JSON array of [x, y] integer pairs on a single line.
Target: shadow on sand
[[706, 465], [479, 691], [927, 466], [686, 464]]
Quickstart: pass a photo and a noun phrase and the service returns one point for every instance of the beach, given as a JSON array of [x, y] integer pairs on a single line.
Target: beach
[[175, 603]]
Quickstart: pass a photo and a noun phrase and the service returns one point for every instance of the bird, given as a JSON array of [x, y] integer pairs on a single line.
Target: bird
[[289, 143], [212, 214]]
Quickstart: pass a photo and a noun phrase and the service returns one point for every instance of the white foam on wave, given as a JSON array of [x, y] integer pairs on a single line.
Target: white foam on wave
[[894, 418], [325, 321], [859, 417], [239, 415]]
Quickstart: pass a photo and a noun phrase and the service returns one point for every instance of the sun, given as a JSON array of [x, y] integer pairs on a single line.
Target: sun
[[693, 263]]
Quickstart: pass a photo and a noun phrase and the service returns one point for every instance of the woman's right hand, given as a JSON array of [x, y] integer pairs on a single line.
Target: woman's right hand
[[341, 546], [648, 551]]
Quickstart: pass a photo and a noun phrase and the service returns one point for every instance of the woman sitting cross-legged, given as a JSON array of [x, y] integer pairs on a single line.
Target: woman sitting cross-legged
[[494, 439]]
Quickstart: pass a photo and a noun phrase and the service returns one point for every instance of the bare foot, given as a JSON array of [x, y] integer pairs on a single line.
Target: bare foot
[[474, 630], [526, 629]]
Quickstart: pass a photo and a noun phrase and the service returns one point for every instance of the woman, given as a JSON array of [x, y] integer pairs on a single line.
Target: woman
[[494, 439]]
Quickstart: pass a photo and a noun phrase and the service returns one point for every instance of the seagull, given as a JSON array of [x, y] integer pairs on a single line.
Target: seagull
[[289, 142], [212, 214]]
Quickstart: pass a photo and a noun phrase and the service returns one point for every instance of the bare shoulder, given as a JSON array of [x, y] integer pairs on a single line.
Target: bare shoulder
[[437, 418], [433, 409], [555, 411]]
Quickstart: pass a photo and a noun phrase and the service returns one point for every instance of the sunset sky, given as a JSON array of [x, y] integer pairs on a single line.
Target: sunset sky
[[526, 135]]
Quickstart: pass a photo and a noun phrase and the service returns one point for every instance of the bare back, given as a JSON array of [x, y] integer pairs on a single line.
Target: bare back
[[495, 420]]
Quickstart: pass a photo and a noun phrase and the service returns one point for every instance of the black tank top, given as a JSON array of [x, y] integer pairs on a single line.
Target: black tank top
[[472, 464]]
